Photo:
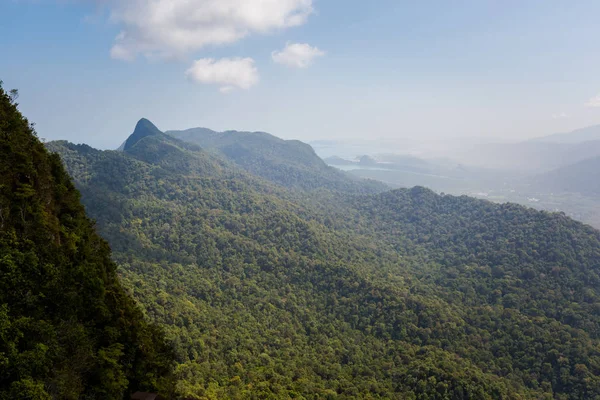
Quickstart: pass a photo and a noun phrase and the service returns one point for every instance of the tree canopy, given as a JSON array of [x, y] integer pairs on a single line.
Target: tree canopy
[[270, 293], [68, 329]]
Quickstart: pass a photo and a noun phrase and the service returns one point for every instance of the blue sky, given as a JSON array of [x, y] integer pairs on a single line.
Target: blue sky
[[378, 69]]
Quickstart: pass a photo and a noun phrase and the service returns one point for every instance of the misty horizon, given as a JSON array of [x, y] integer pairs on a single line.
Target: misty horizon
[[299, 199], [306, 70]]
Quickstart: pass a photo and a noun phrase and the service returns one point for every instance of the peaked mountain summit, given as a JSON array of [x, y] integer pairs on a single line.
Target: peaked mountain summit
[[143, 128], [406, 294]]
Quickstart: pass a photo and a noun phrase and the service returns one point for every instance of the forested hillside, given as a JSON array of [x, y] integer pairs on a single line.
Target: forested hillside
[[290, 163], [404, 294], [68, 329]]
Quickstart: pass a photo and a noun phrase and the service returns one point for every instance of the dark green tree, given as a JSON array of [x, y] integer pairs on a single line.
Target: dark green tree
[[68, 329]]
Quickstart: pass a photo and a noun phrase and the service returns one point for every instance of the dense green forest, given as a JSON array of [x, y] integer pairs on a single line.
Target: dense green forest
[[269, 293], [68, 329], [290, 163]]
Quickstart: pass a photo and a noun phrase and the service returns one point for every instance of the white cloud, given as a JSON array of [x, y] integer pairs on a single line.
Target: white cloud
[[593, 102], [560, 115], [228, 73], [297, 55], [173, 28]]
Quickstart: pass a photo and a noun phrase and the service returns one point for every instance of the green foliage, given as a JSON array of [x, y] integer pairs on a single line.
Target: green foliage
[[68, 330], [409, 295], [289, 163]]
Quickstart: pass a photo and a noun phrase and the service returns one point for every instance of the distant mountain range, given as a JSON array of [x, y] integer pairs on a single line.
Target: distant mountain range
[[579, 171], [581, 177], [590, 133], [529, 156], [265, 291]]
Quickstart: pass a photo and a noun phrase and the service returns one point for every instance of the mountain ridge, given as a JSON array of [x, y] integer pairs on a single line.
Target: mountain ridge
[[355, 295], [581, 177], [586, 134], [530, 156], [290, 163]]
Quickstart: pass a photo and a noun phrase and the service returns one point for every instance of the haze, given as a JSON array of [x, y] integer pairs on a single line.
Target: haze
[[302, 69], [299, 199]]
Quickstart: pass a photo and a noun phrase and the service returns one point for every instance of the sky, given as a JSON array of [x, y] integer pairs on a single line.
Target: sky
[[508, 70]]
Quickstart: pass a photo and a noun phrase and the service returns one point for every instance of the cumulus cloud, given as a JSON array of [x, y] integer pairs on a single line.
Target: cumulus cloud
[[593, 102], [173, 28], [297, 55], [228, 73], [560, 115]]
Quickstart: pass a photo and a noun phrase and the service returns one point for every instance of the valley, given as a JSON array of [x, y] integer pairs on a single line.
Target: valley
[[560, 185], [299, 199], [316, 293]]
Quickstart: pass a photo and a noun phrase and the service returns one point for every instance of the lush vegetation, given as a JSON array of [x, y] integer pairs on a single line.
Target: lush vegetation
[[266, 293], [68, 330], [290, 163]]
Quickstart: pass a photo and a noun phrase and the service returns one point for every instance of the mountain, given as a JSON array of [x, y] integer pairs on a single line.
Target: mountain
[[335, 160], [537, 155], [582, 177], [143, 128], [402, 171], [289, 163], [588, 134], [402, 295], [530, 156], [405, 161], [68, 328]]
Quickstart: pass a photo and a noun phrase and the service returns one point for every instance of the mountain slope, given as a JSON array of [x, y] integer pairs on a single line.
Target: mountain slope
[[68, 330], [530, 156], [582, 177], [404, 294], [290, 163], [537, 155], [587, 134], [249, 291], [144, 128]]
